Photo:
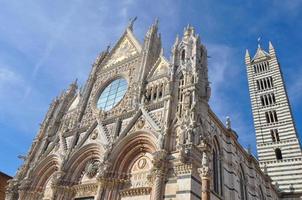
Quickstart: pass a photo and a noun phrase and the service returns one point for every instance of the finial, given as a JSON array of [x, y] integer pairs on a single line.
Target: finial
[[22, 157], [131, 22], [156, 21], [271, 49], [228, 123], [270, 46], [177, 38], [247, 57], [247, 54], [258, 40]]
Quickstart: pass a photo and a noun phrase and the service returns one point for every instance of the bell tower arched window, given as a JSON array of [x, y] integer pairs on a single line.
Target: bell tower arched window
[[278, 154]]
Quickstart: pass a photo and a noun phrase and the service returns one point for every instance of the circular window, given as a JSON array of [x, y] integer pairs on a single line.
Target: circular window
[[112, 94]]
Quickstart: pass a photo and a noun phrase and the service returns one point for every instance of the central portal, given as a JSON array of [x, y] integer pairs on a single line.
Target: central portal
[[139, 187]]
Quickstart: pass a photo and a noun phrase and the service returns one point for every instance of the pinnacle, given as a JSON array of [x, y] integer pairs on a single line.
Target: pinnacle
[[247, 54], [270, 45]]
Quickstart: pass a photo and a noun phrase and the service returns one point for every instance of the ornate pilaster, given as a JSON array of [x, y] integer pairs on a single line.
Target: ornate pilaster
[[158, 173], [205, 178], [58, 191], [12, 190]]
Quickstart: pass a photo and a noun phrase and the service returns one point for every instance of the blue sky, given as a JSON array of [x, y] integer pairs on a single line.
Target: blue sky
[[45, 45]]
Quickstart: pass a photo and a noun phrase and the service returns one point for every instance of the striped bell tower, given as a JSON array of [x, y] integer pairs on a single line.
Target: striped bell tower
[[278, 146]]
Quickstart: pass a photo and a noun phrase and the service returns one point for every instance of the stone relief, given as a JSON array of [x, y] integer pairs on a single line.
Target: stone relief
[[92, 168], [125, 50]]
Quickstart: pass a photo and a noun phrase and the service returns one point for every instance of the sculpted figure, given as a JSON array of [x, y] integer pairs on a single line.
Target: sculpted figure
[[161, 140]]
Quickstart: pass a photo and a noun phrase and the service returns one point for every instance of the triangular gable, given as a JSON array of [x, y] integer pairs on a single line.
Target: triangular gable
[[127, 46], [74, 102], [160, 67], [260, 54]]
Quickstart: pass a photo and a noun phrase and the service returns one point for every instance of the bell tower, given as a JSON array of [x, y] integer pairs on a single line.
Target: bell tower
[[278, 146]]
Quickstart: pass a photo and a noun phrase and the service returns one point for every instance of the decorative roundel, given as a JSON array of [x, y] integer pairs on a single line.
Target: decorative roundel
[[142, 163], [112, 94], [92, 168]]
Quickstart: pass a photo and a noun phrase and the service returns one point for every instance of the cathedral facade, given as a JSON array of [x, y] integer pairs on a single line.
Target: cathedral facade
[[140, 129]]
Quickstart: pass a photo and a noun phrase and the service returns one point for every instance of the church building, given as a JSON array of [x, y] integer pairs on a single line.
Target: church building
[[141, 128]]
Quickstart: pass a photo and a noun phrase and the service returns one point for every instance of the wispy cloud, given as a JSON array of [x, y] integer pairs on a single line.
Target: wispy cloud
[[53, 41], [295, 87], [225, 74]]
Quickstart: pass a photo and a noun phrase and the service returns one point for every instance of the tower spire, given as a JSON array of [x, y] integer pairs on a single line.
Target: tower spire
[[271, 49], [247, 57]]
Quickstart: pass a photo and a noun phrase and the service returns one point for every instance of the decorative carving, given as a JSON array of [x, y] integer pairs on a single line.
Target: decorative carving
[[140, 124], [85, 190], [204, 170], [136, 191], [92, 168], [142, 163], [228, 123], [94, 135], [125, 50]]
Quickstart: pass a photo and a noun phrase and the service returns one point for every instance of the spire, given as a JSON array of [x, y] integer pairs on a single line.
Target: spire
[[270, 45], [188, 31], [247, 57], [271, 48]]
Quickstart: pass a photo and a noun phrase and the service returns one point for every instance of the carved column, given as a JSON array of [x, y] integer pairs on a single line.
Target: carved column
[[158, 184], [158, 173], [12, 190], [205, 178]]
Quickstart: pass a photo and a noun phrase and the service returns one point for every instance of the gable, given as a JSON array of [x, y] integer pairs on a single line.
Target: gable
[[125, 48], [161, 67], [74, 103]]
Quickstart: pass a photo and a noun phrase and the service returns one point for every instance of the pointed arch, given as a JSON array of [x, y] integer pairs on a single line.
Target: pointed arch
[[217, 166], [43, 171], [127, 150], [260, 193], [78, 160], [242, 184]]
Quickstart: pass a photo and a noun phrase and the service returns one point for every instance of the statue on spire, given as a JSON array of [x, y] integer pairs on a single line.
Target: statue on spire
[[131, 22]]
